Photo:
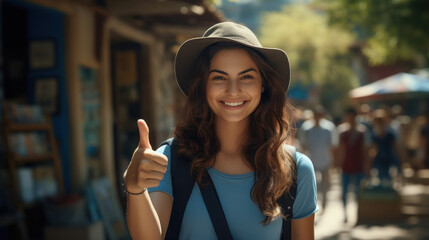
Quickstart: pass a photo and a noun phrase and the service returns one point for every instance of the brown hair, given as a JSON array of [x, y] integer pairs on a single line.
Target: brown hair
[[270, 125]]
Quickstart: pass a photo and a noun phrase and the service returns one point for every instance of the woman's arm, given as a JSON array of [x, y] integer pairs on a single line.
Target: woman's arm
[[305, 204], [147, 214], [303, 229]]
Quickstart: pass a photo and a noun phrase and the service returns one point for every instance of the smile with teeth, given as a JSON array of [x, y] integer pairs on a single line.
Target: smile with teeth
[[233, 104]]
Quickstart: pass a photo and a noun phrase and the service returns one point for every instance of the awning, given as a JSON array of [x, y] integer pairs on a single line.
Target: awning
[[145, 14], [396, 86]]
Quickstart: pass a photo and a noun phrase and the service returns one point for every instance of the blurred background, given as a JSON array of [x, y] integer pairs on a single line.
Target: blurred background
[[75, 75]]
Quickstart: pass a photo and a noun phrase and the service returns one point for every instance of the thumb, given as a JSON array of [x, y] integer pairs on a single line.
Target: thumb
[[144, 134]]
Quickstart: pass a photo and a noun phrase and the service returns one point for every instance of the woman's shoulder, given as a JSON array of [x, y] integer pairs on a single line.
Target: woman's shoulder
[[300, 158], [303, 163], [165, 149]]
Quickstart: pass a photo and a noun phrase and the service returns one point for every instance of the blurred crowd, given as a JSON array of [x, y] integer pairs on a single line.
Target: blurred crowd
[[365, 146]]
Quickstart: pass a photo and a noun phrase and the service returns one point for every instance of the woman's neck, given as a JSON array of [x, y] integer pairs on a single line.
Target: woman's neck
[[232, 137]]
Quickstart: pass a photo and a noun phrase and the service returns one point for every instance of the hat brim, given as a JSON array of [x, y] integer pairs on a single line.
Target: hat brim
[[189, 51]]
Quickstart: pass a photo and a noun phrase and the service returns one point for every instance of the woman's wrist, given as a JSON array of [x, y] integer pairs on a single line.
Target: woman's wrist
[[133, 193]]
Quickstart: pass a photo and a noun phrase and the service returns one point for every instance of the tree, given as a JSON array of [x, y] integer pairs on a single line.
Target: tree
[[319, 54], [391, 29]]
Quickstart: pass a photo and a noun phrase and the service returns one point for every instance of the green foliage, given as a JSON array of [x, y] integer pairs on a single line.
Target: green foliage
[[392, 29], [318, 53]]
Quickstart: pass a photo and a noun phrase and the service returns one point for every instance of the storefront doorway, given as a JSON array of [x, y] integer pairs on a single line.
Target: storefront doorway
[[129, 95]]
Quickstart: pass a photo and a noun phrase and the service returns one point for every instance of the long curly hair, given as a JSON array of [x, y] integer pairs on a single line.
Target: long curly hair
[[270, 125]]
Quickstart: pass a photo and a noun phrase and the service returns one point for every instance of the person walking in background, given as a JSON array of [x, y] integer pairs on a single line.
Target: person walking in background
[[352, 155], [318, 139], [385, 150]]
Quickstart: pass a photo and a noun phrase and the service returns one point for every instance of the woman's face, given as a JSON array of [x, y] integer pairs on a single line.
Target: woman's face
[[234, 85]]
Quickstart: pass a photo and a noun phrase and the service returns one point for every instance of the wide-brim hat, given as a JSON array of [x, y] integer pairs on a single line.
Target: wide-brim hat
[[189, 51]]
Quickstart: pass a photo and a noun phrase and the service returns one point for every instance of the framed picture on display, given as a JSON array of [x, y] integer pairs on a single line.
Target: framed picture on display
[[42, 54]]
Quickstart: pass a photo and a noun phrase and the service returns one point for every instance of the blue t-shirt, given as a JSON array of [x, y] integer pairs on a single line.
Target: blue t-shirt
[[243, 215]]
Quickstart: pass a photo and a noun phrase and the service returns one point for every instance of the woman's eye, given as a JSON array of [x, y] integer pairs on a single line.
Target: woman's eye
[[218, 78], [247, 77]]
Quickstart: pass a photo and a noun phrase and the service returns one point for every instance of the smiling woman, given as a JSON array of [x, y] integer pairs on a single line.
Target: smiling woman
[[230, 139], [234, 86]]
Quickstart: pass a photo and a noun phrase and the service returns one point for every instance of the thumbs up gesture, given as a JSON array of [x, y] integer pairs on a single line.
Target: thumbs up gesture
[[147, 167]]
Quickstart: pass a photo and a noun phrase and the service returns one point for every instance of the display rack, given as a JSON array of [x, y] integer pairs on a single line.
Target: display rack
[[14, 124]]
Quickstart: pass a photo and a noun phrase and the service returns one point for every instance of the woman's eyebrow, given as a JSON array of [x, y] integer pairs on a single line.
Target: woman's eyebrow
[[242, 72], [218, 71], [248, 70]]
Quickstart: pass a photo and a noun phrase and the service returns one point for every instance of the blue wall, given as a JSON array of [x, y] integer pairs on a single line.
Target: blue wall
[[48, 24]]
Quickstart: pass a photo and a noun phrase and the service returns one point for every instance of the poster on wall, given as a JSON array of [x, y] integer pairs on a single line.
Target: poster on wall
[[42, 54], [91, 111]]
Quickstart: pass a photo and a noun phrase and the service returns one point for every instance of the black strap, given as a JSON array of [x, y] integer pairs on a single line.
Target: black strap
[[286, 202], [212, 202], [183, 183]]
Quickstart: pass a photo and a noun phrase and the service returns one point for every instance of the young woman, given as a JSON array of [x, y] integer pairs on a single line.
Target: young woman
[[234, 125]]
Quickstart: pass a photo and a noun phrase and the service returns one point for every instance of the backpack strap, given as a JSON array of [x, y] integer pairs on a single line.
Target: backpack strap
[[214, 208], [286, 201], [183, 183]]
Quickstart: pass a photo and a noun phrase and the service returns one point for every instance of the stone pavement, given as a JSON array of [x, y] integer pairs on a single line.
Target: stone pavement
[[330, 223]]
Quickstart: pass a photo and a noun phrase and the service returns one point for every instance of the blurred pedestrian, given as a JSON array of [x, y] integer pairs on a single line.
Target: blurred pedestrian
[[230, 145], [352, 155], [318, 141], [387, 153]]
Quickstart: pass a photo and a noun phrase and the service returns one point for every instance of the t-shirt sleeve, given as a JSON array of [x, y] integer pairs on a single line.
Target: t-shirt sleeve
[[305, 203], [165, 185]]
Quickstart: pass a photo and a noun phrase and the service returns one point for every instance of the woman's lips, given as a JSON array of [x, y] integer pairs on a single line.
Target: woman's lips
[[233, 104]]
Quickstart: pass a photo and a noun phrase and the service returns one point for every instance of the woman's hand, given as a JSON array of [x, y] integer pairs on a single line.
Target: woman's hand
[[147, 167]]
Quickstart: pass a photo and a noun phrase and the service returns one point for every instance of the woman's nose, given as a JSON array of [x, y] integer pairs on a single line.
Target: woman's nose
[[233, 86]]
